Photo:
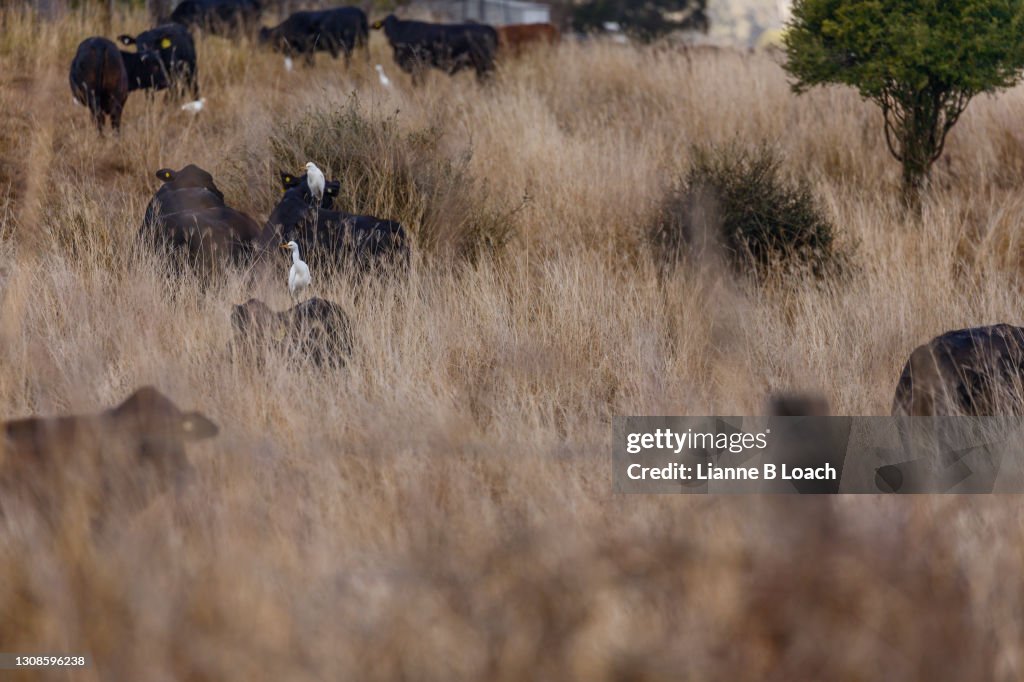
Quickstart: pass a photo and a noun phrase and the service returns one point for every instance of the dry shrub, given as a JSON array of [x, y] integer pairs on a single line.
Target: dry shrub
[[397, 174], [738, 200]]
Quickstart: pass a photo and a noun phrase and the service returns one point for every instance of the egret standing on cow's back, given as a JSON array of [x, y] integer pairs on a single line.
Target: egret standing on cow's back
[[298, 276], [315, 181]]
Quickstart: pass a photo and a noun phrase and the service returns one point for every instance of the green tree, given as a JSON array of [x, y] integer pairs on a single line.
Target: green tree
[[921, 61], [645, 20]]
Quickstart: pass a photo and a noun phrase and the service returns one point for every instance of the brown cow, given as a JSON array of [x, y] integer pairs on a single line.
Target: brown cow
[[517, 38], [98, 465], [971, 372]]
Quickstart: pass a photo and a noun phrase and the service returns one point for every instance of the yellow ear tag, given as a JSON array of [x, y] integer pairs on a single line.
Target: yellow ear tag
[[165, 43], [287, 178], [167, 174]]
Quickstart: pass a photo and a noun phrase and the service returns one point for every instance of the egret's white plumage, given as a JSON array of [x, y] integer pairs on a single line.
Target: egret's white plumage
[[384, 80], [287, 63], [316, 182], [298, 277], [194, 107]]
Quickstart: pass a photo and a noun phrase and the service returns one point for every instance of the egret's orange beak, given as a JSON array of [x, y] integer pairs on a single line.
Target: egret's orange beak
[[283, 246]]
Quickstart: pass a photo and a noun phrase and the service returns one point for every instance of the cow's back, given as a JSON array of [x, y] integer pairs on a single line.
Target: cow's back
[[974, 371], [98, 68]]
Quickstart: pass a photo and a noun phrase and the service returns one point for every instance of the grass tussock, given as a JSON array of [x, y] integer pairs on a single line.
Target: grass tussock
[[440, 507]]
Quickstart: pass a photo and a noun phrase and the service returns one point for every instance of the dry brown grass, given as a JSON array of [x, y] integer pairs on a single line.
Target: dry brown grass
[[442, 510]]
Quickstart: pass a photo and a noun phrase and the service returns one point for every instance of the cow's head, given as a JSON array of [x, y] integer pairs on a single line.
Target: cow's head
[[189, 176], [331, 188], [251, 315], [384, 23], [145, 70], [144, 443]]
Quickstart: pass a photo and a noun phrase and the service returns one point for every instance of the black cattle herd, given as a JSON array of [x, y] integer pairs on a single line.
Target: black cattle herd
[[101, 75]]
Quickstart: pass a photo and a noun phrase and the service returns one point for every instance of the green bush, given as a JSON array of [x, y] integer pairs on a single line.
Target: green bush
[[738, 204], [921, 62], [399, 175]]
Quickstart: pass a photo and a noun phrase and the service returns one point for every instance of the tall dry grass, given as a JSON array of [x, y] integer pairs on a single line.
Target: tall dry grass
[[442, 509]]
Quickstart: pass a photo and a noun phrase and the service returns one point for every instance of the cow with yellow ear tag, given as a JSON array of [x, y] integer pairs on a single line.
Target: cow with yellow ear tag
[[330, 191], [177, 51]]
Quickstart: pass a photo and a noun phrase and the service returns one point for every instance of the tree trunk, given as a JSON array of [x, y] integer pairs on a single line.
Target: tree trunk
[[919, 144]]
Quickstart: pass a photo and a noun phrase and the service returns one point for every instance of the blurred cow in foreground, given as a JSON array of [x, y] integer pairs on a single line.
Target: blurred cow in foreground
[[114, 461], [316, 330], [101, 76], [971, 372], [177, 51], [338, 31], [514, 39], [418, 45], [797, 405]]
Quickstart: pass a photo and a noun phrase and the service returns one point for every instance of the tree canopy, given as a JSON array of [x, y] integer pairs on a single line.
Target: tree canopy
[[921, 61]]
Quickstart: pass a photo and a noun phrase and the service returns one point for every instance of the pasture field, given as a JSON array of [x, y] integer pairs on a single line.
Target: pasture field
[[442, 509]]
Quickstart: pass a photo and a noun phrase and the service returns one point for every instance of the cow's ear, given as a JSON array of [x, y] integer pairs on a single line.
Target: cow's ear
[[332, 188], [126, 40], [165, 43], [195, 426], [165, 174]]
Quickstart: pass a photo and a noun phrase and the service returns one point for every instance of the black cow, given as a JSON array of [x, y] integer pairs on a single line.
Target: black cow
[[339, 30], [188, 215], [101, 77], [331, 188], [448, 47], [327, 235], [975, 372], [219, 17], [316, 329], [177, 51]]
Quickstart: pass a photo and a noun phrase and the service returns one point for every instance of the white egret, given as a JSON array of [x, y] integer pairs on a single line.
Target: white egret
[[384, 80], [298, 277], [287, 63], [194, 107], [315, 181]]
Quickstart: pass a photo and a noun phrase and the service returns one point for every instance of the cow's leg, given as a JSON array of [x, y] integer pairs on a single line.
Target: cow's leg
[[96, 109], [193, 82], [115, 107]]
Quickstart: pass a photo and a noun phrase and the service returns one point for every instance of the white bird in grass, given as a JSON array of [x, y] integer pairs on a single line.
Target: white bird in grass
[[194, 107], [315, 181], [384, 80], [287, 63], [298, 276]]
